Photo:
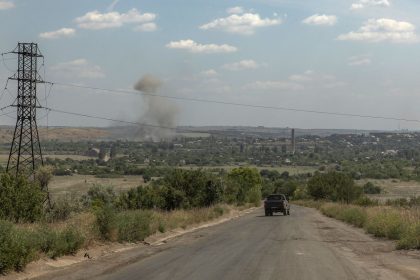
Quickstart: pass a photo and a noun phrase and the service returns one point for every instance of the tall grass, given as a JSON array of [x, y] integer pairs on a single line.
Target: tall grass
[[395, 223], [23, 243], [136, 225], [20, 245]]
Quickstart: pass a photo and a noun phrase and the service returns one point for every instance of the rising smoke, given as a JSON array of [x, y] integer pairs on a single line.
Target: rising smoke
[[158, 111]]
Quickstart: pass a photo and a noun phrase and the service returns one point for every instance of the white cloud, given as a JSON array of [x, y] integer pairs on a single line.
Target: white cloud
[[378, 30], [359, 60], [242, 65], [194, 47], [242, 24], [146, 27], [370, 3], [79, 68], [5, 5], [235, 10], [211, 73], [308, 79], [63, 32], [274, 85], [96, 20], [321, 20]]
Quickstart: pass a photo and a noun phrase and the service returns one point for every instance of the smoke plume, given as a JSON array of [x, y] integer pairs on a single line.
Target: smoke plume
[[159, 111]]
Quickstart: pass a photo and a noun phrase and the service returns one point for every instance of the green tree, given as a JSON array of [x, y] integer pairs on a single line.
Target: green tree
[[20, 200], [334, 186], [243, 186]]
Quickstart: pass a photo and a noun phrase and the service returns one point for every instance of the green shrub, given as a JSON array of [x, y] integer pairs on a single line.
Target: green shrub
[[55, 243], [386, 223], [133, 226], [366, 201], [254, 196], [243, 185], [333, 186], [410, 239], [161, 227], [98, 196], [16, 248], [21, 201], [219, 210], [370, 188], [353, 215], [330, 210], [105, 220], [62, 208]]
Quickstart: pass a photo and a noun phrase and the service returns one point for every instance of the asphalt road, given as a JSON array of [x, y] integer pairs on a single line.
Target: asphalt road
[[254, 247]]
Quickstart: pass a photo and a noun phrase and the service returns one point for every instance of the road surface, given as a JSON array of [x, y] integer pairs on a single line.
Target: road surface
[[304, 245]]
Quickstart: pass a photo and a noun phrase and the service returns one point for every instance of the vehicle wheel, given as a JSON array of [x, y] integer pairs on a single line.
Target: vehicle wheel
[[271, 213], [266, 213]]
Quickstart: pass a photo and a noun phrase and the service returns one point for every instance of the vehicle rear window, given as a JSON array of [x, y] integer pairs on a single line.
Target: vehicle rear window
[[275, 197]]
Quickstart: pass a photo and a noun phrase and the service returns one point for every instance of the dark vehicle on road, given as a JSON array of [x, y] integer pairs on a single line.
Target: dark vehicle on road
[[276, 203]]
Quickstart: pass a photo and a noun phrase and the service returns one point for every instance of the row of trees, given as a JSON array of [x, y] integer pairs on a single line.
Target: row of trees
[[23, 200], [186, 189]]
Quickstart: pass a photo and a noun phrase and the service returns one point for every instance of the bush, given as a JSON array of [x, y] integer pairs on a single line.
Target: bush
[[254, 196], [333, 186], [98, 196], [21, 201], [55, 243], [105, 221], [16, 248], [354, 215], [410, 239], [366, 201], [386, 223], [62, 208], [219, 210], [243, 186], [370, 188], [133, 226]]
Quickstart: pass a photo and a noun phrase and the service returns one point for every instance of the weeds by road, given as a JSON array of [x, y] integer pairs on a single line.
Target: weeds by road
[[395, 223]]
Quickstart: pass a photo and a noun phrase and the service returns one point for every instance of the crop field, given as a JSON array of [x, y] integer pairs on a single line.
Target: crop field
[[80, 184]]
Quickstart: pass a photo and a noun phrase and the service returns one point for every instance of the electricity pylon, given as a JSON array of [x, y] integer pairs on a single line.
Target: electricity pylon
[[25, 151]]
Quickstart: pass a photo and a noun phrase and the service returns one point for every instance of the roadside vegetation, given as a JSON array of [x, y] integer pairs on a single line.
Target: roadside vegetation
[[336, 195], [30, 230]]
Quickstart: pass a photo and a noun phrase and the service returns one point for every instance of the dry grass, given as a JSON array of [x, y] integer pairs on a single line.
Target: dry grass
[[395, 223], [393, 188], [164, 221], [80, 184]]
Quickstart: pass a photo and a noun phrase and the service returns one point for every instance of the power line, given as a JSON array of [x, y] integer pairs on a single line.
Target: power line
[[175, 129], [280, 108], [108, 119], [129, 122]]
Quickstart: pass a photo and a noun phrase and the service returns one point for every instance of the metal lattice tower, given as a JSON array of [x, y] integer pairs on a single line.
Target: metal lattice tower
[[25, 151]]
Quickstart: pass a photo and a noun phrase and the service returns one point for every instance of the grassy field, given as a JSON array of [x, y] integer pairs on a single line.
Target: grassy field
[[393, 188], [80, 184]]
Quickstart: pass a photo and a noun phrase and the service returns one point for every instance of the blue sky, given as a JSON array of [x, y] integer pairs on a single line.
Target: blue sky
[[350, 56]]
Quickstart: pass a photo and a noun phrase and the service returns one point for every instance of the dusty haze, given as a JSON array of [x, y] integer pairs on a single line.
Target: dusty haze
[[158, 111]]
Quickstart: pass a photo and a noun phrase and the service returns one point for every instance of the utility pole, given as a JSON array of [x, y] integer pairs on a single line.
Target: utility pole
[[293, 142], [25, 151]]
